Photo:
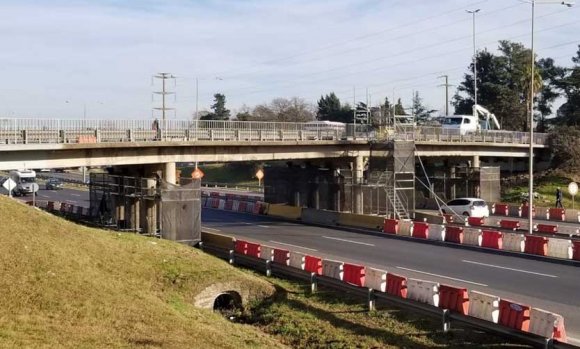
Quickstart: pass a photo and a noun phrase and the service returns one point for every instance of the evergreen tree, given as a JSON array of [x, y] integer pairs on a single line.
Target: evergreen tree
[[420, 112], [219, 111], [399, 109], [569, 112]]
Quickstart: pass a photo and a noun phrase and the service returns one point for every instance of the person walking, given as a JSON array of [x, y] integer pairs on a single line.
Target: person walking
[[559, 198]]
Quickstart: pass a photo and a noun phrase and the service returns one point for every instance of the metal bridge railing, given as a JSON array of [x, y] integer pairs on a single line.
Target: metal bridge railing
[[50, 131]]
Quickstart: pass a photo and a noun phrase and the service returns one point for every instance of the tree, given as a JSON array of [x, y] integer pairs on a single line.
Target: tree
[[564, 144], [503, 85], [244, 114], [399, 109], [219, 111], [330, 108], [552, 76], [420, 112], [292, 110], [569, 112]]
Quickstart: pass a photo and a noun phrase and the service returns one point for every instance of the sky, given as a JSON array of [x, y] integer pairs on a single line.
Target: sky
[[78, 58]]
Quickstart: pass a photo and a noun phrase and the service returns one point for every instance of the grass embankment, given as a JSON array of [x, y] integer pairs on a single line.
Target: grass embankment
[[546, 187], [64, 285], [332, 319]]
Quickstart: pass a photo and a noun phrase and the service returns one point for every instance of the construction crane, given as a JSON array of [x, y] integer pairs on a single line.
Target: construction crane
[[486, 116]]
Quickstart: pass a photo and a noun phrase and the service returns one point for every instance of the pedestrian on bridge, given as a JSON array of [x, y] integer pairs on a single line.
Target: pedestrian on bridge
[[559, 198]]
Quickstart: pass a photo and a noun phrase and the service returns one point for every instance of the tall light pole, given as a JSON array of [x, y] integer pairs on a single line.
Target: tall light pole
[[473, 13], [531, 116]]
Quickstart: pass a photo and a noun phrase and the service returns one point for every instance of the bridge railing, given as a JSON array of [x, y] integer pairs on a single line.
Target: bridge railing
[[47, 131]]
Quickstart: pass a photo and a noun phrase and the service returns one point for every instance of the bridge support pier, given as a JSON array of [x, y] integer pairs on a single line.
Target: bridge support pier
[[358, 169], [475, 162], [169, 172]]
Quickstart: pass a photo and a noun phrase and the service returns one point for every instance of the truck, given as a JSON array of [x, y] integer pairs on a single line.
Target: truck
[[482, 119], [25, 182]]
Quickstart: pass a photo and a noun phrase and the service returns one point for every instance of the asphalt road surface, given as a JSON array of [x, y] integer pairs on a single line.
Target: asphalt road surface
[[549, 286]]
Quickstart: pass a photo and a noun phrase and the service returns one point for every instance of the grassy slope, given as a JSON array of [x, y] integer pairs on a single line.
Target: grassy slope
[[546, 188], [69, 286], [331, 319]]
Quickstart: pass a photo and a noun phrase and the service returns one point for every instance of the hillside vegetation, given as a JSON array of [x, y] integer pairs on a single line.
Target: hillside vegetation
[[64, 285]]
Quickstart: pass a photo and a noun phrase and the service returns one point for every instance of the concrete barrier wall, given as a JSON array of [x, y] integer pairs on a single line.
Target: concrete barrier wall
[[217, 240], [267, 253], [568, 230], [560, 248], [423, 291], [405, 228], [542, 213], [297, 260], [547, 325], [428, 217], [436, 232], [513, 242], [361, 221], [472, 236], [376, 279], [323, 217], [333, 269], [572, 215], [484, 306], [284, 211]]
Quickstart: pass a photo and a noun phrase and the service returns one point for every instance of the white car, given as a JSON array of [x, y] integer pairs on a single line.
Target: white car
[[471, 207]]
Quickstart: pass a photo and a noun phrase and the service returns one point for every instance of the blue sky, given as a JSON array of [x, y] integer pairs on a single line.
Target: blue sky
[[59, 56]]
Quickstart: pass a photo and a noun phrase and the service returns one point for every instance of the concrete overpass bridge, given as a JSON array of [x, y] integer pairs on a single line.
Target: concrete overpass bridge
[[42, 143]]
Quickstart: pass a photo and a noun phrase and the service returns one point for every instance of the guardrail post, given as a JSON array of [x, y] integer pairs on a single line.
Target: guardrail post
[[281, 135], [62, 136], [130, 135], [211, 135], [268, 268], [372, 300], [446, 320], [24, 137], [313, 283], [187, 135], [98, 135], [301, 135], [237, 135], [231, 260]]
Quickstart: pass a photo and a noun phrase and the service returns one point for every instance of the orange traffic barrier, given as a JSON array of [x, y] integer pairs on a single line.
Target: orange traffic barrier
[[281, 256], [547, 228], [420, 230], [448, 218], [492, 239], [391, 226], [514, 315], [241, 246], [536, 245], [557, 214], [454, 234], [253, 249], [475, 221], [526, 210], [87, 139], [454, 298], [576, 255], [313, 264], [502, 209], [354, 274], [397, 285], [508, 224]]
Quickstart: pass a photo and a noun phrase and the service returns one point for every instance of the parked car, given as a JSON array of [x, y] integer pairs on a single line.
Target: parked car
[[53, 184], [471, 207]]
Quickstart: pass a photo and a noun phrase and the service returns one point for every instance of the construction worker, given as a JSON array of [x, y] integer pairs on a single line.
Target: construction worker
[[559, 198]]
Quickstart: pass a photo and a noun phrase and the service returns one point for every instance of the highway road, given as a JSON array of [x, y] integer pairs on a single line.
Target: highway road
[[545, 285]]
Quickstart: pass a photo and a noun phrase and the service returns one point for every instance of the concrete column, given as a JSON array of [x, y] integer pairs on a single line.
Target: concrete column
[[169, 173], [475, 162], [358, 168]]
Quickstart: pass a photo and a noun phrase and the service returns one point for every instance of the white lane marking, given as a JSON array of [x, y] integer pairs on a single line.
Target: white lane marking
[[345, 240], [76, 195], [264, 226], [443, 276], [302, 247], [512, 269], [208, 228]]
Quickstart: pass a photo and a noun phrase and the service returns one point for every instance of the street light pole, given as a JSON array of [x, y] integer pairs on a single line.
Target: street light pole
[[473, 13], [531, 114]]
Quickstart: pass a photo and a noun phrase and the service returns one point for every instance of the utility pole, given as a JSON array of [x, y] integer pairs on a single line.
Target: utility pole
[[446, 85], [196, 98], [473, 13], [164, 92]]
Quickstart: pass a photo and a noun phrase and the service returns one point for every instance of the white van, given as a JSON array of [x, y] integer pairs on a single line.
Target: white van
[[463, 124], [25, 182]]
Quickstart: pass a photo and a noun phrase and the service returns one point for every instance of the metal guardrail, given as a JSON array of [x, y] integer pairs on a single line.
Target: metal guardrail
[[250, 189], [55, 131], [446, 316]]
